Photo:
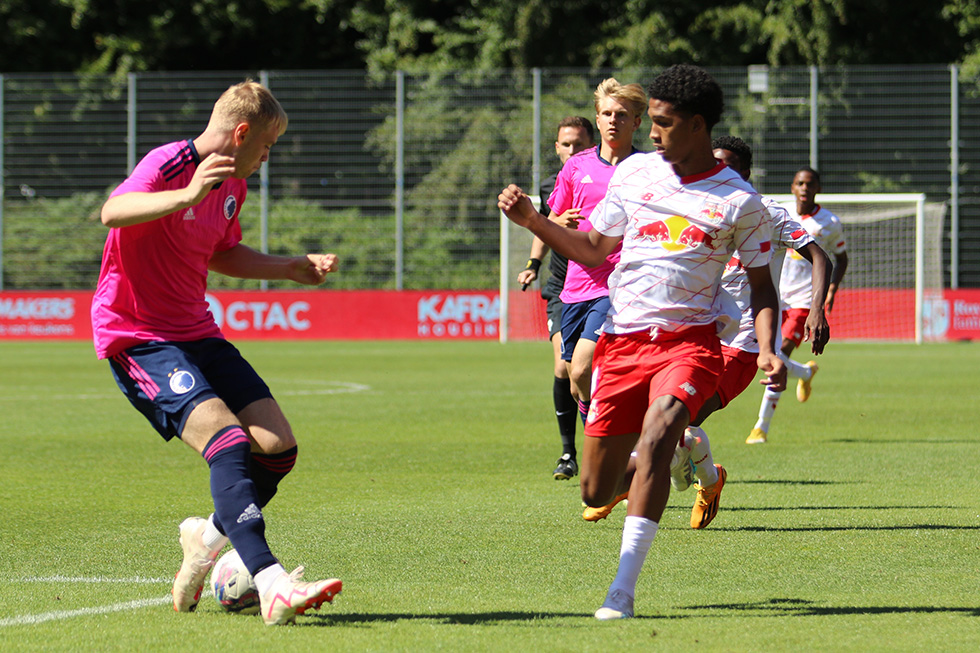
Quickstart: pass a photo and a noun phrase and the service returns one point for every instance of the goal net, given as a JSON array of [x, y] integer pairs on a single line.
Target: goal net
[[894, 254], [894, 251]]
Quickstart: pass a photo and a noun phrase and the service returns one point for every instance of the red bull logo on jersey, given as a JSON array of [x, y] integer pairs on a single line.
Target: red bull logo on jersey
[[712, 212], [733, 265], [676, 233], [656, 231]]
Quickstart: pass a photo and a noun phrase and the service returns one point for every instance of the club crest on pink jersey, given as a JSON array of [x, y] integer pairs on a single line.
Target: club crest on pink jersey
[[229, 207]]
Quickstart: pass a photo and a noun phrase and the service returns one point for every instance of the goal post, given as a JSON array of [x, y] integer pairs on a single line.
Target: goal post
[[523, 315], [894, 247], [894, 252]]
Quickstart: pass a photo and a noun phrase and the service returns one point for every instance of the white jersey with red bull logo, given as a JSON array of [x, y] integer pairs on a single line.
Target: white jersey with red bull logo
[[581, 184], [678, 234], [795, 288], [786, 234]]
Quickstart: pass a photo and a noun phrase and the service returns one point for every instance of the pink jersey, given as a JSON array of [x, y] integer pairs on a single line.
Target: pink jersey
[[678, 234], [581, 184], [787, 233], [795, 287], [154, 275]]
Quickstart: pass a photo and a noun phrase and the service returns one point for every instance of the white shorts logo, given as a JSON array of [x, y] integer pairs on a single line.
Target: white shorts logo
[[252, 512], [181, 382]]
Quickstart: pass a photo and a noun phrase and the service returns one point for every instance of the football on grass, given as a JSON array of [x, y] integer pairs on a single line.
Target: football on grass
[[234, 588]]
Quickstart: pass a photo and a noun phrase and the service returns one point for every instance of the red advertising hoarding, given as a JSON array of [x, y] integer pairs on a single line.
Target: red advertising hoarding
[[860, 314], [299, 315]]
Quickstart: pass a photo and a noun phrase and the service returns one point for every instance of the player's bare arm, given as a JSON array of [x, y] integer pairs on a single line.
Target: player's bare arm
[[816, 330], [137, 207], [840, 267], [765, 309], [244, 262], [588, 248]]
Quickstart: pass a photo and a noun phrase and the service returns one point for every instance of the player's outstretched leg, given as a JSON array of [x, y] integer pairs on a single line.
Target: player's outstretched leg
[[198, 560], [289, 596]]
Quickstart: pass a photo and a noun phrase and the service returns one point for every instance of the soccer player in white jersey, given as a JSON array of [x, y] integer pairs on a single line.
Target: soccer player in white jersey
[[796, 290], [693, 457], [679, 215], [174, 219]]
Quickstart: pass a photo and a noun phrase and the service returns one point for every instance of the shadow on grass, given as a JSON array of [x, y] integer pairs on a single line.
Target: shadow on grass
[[461, 618], [877, 441], [802, 608], [795, 481], [832, 529], [874, 508]]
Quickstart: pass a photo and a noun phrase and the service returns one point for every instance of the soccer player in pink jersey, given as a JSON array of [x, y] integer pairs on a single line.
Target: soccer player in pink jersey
[[679, 215], [174, 219], [796, 291], [580, 186]]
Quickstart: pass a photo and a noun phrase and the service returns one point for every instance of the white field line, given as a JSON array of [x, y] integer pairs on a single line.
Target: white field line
[[60, 615]]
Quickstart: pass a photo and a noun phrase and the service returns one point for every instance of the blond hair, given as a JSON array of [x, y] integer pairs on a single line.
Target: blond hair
[[251, 103], [631, 96]]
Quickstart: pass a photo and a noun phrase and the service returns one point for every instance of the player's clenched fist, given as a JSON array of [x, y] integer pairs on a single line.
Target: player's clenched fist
[[312, 269], [516, 205]]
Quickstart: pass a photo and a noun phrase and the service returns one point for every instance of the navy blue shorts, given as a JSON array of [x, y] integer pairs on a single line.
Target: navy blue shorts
[[582, 320], [166, 380]]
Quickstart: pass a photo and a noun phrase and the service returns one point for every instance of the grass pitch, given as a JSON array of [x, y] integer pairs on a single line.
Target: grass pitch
[[424, 482]]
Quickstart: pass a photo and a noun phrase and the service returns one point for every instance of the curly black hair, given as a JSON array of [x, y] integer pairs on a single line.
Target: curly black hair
[[736, 146], [690, 89], [816, 175]]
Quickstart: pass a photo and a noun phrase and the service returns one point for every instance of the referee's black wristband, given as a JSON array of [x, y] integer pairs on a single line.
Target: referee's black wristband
[[533, 264]]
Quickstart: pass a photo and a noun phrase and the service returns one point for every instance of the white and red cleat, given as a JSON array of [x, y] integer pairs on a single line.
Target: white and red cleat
[[290, 596]]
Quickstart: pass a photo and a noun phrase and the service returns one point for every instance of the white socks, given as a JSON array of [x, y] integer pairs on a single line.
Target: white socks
[[770, 400], [704, 464], [212, 537], [265, 578], [797, 370], [638, 533]]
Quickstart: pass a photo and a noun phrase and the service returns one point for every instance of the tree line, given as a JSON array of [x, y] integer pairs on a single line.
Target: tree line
[[102, 36]]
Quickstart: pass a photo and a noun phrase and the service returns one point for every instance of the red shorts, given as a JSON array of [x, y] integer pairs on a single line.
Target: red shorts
[[630, 371], [740, 369], [793, 321]]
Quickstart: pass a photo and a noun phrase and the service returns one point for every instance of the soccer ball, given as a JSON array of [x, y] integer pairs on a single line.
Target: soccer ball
[[234, 588]]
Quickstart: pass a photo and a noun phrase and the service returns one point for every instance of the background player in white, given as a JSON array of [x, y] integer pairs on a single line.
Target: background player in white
[[679, 216], [796, 290], [575, 134], [174, 219]]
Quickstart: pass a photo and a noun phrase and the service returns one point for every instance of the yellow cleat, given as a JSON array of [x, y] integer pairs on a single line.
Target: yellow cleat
[[706, 505], [595, 514], [757, 436], [803, 385]]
